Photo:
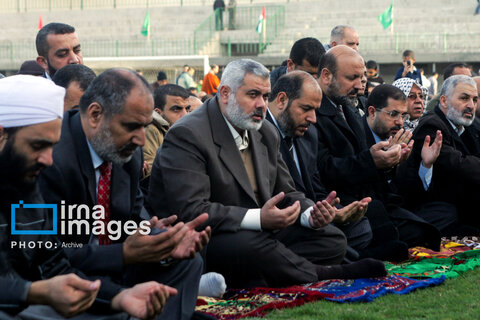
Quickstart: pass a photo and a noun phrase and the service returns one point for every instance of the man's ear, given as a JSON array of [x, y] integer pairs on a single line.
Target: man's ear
[[281, 101], [225, 92], [326, 76], [443, 102], [158, 110], [94, 114], [371, 112], [43, 62], [290, 65]]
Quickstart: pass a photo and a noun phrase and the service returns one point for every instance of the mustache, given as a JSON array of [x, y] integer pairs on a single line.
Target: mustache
[[354, 91], [397, 127], [258, 112], [128, 147], [467, 110]]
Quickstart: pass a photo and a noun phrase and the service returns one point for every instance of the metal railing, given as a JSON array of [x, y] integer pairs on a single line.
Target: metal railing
[[53, 5]]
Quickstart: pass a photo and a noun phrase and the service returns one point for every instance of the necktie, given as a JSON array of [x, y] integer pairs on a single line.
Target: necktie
[[289, 142], [103, 198], [340, 111]]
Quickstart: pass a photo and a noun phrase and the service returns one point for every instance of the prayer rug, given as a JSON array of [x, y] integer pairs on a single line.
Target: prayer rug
[[256, 302]]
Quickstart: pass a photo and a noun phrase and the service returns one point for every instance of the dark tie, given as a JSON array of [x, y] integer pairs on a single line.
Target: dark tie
[[103, 198], [340, 111]]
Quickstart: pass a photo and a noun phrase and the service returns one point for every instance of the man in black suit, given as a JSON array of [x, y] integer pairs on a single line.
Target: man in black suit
[[291, 108], [224, 159], [456, 177], [98, 162], [345, 162]]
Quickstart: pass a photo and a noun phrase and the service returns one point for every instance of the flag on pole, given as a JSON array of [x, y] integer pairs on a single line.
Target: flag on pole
[[261, 21], [146, 25], [386, 18], [40, 23]]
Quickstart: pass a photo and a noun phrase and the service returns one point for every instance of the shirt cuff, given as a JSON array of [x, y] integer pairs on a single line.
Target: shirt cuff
[[425, 175], [305, 218], [251, 221]]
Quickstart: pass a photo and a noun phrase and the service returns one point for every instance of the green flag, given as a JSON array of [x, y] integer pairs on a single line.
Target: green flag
[[386, 18], [146, 25]]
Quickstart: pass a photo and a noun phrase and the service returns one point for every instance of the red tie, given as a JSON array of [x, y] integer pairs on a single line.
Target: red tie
[[103, 198]]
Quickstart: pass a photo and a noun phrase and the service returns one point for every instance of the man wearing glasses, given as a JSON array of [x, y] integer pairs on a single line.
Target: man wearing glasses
[[416, 94], [356, 167]]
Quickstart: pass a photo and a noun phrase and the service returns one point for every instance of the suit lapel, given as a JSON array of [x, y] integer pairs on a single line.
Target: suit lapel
[[227, 149], [83, 154], [260, 163]]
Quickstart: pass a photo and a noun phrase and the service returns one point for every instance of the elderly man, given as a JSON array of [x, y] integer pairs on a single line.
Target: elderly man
[[291, 108], [31, 109], [344, 35], [416, 95], [353, 169], [57, 45], [98, 161], [455, 177], [224, 159]]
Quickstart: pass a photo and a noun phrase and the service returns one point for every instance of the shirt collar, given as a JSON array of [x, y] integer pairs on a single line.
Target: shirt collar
[[459, 131], [276, 123], [96, 160], [241, 142]]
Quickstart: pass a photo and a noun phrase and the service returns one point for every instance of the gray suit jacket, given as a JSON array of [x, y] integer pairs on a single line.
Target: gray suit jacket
[[199, 169]]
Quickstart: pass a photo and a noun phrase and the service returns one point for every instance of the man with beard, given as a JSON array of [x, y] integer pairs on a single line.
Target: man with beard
[[291, 108], [31, 109], [347, 165], [416, 95], [456, 177], [57, 45], [224, 159], [98, 162]]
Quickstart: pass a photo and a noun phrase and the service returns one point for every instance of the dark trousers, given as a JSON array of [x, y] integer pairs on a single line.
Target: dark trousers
[[274, 259]]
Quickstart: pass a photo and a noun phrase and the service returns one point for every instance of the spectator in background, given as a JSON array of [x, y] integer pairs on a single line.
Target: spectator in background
[[211, 81], [185, 69], [433, 89], [232, 11], [305, 56], [345, 35], [477, 9], [75, 78], [31, 67], [453, 69], [219, 8], [409, 70], [186, 79], [57, 45], [161, 80], [425, 81], [373, 75]]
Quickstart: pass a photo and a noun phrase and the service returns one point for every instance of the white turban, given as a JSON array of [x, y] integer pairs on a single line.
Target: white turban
[[27, 100], [406, 84]]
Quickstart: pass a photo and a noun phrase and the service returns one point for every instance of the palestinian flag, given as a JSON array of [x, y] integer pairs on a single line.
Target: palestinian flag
[[261, 21]]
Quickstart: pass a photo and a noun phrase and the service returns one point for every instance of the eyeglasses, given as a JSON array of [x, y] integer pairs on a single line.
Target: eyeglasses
[[395, 115], [413, 96]]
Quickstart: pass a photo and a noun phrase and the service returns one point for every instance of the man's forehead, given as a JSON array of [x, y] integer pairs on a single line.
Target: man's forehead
[[253, 82], [176, 100], [465, 88], [398, 105], [56, 41]]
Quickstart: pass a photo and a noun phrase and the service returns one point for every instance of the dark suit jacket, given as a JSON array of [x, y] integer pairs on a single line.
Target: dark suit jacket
[[344, 160], [308, 181], [72, 178], [456, 173], [199, 169]]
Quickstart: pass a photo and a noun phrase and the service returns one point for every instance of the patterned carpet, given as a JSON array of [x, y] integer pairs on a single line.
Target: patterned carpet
[[429, 267]]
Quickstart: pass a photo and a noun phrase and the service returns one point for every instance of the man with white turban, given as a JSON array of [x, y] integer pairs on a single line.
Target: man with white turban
[[31, 111]]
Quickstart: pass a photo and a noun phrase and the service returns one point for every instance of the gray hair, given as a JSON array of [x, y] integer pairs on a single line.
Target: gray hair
[[451, 83], [338, 32], [236, 71]]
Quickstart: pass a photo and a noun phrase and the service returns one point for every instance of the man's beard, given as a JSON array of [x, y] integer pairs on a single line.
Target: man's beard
[[13, 182], [286, 123], [457, 116], [51, 70], [103, 144], [334, 95], [239, 119], [382, 131]]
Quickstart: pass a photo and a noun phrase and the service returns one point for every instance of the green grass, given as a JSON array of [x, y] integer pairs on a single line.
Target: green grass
[[454, 299]]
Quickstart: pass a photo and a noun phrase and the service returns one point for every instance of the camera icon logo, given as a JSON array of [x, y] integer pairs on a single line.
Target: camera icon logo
[[21, 205]]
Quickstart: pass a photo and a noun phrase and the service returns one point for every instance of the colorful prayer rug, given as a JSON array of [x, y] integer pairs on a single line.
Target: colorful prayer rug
[[257, 302]]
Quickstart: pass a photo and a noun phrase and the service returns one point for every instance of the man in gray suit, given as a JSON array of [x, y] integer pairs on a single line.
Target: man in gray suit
[[224, 159]]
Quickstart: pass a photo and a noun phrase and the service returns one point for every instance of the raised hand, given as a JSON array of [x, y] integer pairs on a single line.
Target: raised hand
[[272, 217], [430, 153], [385, 155]]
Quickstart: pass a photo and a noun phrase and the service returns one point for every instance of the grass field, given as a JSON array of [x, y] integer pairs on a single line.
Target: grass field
[[454, 299]]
